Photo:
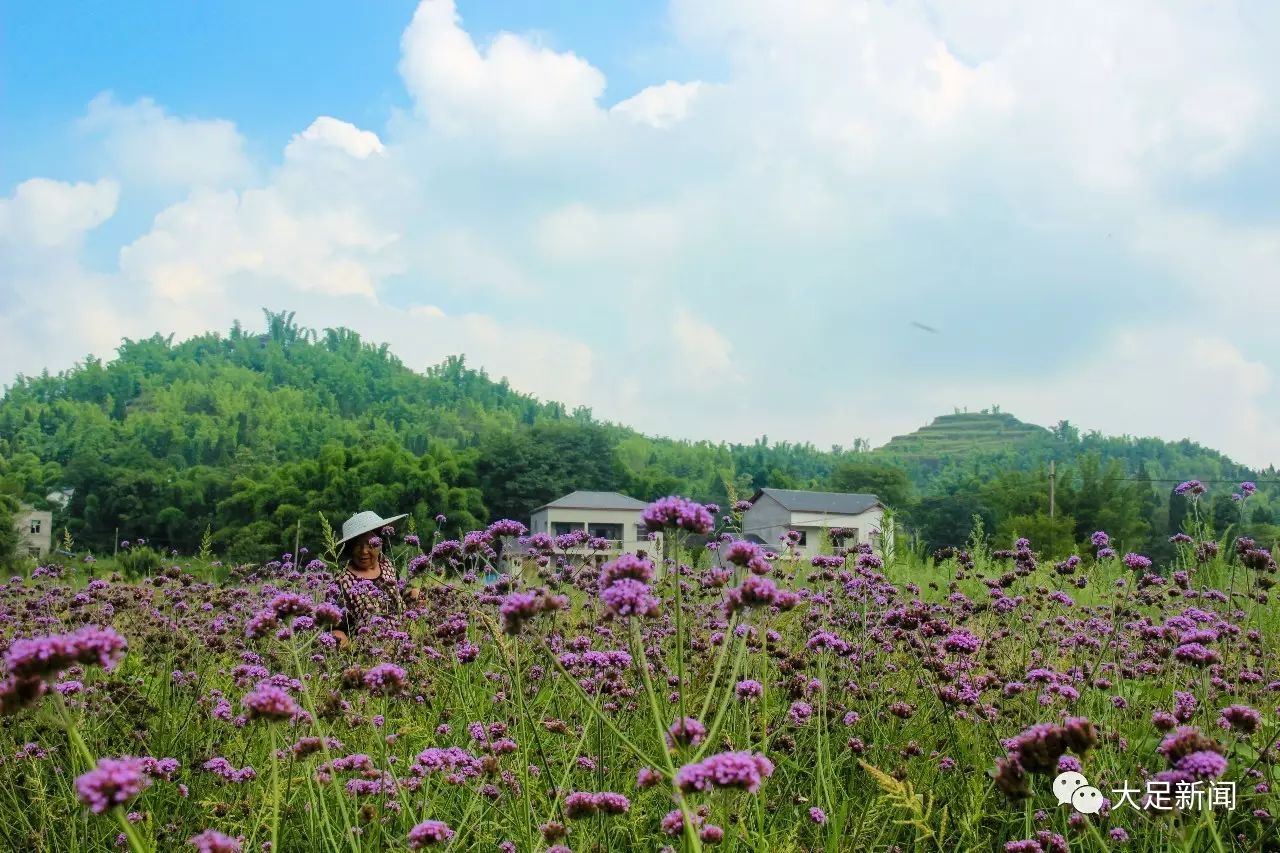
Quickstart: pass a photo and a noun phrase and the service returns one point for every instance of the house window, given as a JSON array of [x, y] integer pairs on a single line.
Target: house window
[[560, 528], [35, 525], [804, 537], [606, 531]]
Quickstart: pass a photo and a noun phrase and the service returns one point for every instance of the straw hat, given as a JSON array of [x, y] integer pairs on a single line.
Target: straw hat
[[363, 522]]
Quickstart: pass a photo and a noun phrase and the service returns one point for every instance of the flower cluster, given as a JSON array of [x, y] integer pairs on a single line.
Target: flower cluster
[[748, 554], [1191, 487], [677, 512], [114, 782], [519, 607], [624, 587], [743, 770], [30, 663], [626, 566], [629, 597], [962, 642], [758, 591], [429, 832], [385, 678], [507, 527], [580, 804], [686, 732], [44, 657], [212, 841], [1038, 749], [270, 702]]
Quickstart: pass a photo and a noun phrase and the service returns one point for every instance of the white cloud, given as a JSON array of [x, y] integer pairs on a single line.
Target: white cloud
[[47, 213], [1116, 93], [462, 260], [578, 233], [660, 106], [334, 133], [702, 354], [513, 85], [203, 244], [1016, 170], [547, 363], [145, 146]]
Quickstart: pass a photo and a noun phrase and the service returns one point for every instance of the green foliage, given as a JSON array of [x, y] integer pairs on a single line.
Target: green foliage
[[226, 443], [888, 482], [519, 471], [139, 562], [1054, 535], [947, 519], [10, 540], [206, 541]]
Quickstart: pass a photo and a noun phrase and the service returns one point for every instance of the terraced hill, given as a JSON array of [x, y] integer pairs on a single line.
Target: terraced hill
[[966, 433]]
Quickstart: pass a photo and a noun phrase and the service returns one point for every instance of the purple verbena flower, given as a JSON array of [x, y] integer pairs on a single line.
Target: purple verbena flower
[[726, 770], [212, 841], [115, 781], [627, 597], [429, 832], [677, 512]]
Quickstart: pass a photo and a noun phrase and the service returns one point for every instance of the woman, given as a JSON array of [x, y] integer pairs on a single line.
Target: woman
[[367, 580]]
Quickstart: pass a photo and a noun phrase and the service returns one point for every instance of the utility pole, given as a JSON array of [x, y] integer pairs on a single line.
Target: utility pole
[[1051, 488]]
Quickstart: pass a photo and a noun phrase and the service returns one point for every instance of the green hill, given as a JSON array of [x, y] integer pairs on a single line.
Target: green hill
[[965, 433], [252, 435]]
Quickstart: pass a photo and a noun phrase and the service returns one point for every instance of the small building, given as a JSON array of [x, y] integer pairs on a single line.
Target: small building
[[775, 511], [606, 515], [35, 527], [61, 497]]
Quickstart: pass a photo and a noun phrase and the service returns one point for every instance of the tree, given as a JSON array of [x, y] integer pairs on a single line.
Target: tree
[[1179, 506], [521, 470], [1052, 537], [10, 539], [947, 519], [1224, 513], [1262, 514], [887, 482]]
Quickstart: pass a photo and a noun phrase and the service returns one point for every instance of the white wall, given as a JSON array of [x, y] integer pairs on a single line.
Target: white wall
[[42, 540], [815, 523], [634, 535], [768, 519]]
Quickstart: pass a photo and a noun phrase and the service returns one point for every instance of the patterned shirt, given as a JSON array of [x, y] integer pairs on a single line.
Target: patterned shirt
[[364, 598]]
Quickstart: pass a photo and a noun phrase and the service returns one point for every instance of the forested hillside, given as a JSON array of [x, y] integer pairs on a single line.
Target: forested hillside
[[247, 434]]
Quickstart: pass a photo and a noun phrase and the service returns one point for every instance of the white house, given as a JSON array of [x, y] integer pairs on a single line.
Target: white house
[[775, 511], [35, 527], [607, 515]]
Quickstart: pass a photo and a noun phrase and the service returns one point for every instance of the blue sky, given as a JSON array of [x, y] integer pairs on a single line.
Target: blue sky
[[704, 218], [274, 66]]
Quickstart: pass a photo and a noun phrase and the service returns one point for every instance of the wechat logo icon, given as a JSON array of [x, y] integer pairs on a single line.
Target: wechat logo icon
[[1071, 787]]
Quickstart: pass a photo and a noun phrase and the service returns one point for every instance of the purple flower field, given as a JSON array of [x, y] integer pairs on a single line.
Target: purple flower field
[[713, 698]]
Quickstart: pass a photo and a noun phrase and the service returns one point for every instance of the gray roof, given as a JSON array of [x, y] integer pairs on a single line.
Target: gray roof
[[594, 500], [836, 503]]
